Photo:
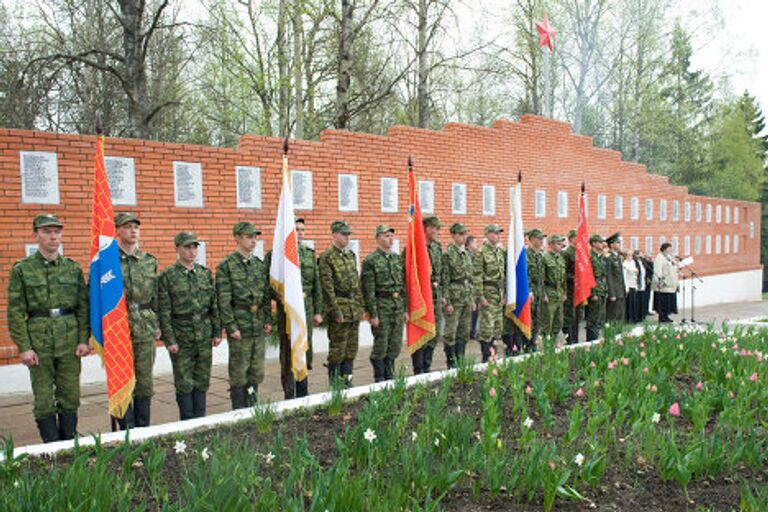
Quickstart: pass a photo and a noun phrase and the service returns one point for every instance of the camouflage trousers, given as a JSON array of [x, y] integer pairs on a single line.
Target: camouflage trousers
[[143, 363], [552, 314], [594, 313], [388, 336], [192, 365], [491, 316], [439, 322], [615, 311], [246, 360], [342, 341], [458, 323], [55, 381]]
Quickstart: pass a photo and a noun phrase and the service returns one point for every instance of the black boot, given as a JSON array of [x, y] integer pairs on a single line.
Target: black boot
[[378, 370], [450, 356], [141, 411], [574, 337], [346, 371], [237, 396], [592, 333], [67, 425], [289, 386], [485, 350], [417, 358], [251, 395], [427, 365], [186, 406], [302, 388], [389, 368], [129, 420], [508, 340], [49, 429], [198, 401]]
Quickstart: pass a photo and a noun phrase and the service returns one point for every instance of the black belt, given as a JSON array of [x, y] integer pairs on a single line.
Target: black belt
[[344, 295], [491, 283], [388, 295], [50, 313], [251, 308], [134, 306], [194, 317], [460, 281]]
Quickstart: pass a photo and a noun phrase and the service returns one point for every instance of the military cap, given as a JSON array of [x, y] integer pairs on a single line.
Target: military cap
[[185, 238], [245, 228], [46, 220], [556, 238], [571, 233], [432, 221], [458, 227], [340, 226], [536, 233], [493, 228], [125, 217], [299, 219], [383, 228], [616, 237], [596, 238]]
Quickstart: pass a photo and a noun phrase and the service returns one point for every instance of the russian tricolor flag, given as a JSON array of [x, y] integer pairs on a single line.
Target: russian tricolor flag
[[518, 306]]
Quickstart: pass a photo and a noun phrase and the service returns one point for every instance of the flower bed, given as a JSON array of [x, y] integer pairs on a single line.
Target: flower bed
[[662, 421]]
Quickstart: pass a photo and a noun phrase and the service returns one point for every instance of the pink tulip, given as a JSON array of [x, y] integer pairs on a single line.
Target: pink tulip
[[514, 348], [642, 344], [674, 410], [624, 361], [579, 392], [646, 370], [492, 392], [592, 364], [753, 377], [654, 388], [699, 386], [528, 390], [642, 354], [495, 372], [677, 337]]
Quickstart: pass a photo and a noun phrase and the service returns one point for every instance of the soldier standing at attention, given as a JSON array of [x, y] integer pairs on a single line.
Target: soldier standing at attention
[[571, 313], [615, 307], [554, 288], [189, 320], [460, 301], [488, 286], [595, 309], [140, 283], [384, 292], [534, 259], [313, 304], [343, 302], [244, 299], [48, 321]]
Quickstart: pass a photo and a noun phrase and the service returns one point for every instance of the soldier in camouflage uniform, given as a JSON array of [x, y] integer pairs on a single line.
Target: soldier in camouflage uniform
[[313, 304], [48, 321], [189, 321], [614, 268], [554, 288], [489, 283], [343, 302], [384, 294], [571, 314], [534, 259], [244, 300], [422, 358], [140, 281], [595, 309], [459, 296]]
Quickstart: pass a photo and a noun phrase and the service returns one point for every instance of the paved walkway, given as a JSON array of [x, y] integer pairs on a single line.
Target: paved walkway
[[16, 409]]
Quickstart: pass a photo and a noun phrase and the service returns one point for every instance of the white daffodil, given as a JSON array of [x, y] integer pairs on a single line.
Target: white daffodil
[[205, 454], [369, 435], [180, 447], [269, 457], [437, 442], [655, 418], [251, 391], [528, 422], [579, 459], [414, 436]]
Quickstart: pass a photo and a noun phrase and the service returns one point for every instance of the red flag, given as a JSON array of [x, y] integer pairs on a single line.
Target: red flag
[[421, 322], [583, 277]]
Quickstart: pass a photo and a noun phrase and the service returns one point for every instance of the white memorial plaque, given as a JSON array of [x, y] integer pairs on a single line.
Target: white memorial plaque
[[188, 184], [347, 193], [489, 200], [427, 196], [354, 246], [258, 251], [39, 177], [459, 198], [301, 184], [395, 246], [248, 181], [121, 174], [200, 259], [389, 195], [30, 249]]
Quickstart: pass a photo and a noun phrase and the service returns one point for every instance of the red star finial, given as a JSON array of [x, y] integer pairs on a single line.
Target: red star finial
[[546, 34]]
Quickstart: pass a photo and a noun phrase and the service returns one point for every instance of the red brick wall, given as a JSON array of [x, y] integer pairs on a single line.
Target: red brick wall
[[551, 157]]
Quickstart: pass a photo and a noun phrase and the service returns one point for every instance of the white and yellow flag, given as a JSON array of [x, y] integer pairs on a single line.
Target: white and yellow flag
[[285, 277]]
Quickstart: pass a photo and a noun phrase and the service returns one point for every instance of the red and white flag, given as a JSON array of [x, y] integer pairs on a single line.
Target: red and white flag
[[285, 277]]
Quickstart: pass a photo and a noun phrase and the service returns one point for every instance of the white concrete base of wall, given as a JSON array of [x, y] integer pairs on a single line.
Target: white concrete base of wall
[[722, 288]]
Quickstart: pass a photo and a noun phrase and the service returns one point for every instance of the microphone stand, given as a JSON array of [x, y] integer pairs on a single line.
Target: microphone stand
[[682, 288], [694, 277]]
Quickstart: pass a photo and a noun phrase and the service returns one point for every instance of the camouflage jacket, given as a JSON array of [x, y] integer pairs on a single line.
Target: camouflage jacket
[[435, 251], [188, 308], [457, 275], [614, 273], [598, 269], [341, 284], [382, 275], [140, 281], [489, 270], [554, 276], [534, 260], [37, 285], [569, 257], [244, 298]]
